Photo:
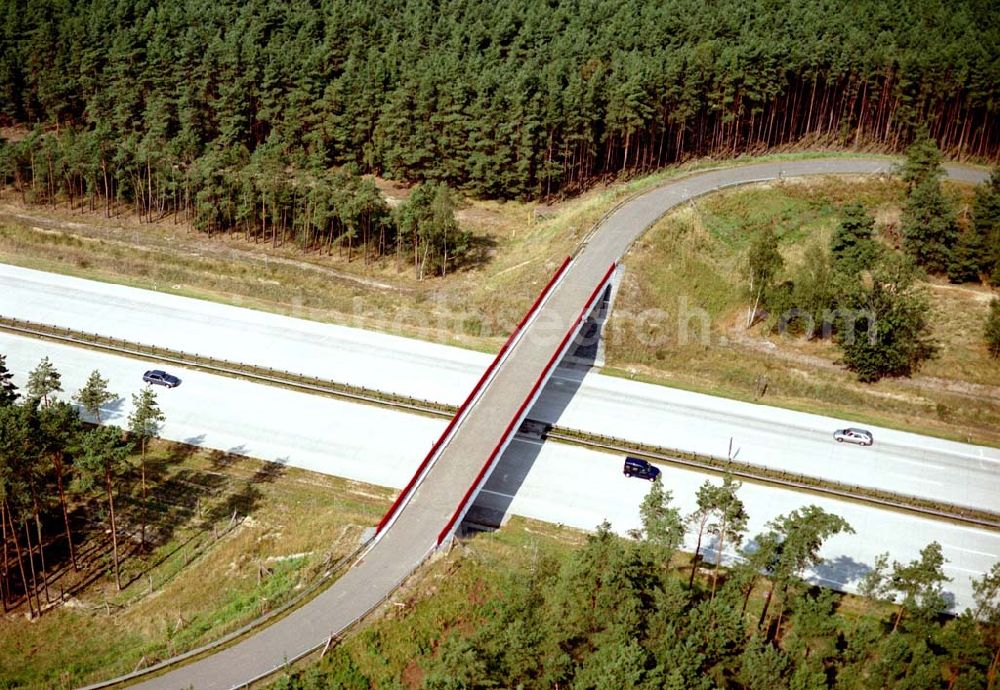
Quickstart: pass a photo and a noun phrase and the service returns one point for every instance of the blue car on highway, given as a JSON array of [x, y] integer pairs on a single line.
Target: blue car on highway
[[161, 378]]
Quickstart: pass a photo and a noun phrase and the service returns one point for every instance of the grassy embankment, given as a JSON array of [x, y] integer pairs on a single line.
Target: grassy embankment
[[521, 244], [233, 538], [693, 254], [688, 264]]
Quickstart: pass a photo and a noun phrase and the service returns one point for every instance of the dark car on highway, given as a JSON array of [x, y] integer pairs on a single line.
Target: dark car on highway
[[637, 467], [161, 378]]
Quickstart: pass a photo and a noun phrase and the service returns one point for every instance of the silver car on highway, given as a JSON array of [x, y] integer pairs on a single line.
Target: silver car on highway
[[862, 437]]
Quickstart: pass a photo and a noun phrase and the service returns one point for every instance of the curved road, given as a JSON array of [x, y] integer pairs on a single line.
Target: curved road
[[780, 439], [413, 535]]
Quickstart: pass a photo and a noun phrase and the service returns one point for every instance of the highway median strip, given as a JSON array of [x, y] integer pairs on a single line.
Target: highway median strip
[[221, 366], [869, 495]]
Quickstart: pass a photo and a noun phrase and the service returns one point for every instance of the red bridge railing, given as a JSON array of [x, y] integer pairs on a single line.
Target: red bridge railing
[[525, 404], [408, 489]]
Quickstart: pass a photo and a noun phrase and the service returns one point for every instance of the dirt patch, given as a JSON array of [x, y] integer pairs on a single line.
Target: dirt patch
[[14, 134], [171, 240], [918, 381], [980, 294]]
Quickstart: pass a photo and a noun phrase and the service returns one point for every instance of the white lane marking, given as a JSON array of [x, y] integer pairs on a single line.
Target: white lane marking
[[962, 570], [911, 478], [526, 441], [978, 553], [496, 493], [919, 463]]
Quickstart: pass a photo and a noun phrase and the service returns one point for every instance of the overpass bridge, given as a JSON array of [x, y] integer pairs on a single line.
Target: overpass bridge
[[445, 484]]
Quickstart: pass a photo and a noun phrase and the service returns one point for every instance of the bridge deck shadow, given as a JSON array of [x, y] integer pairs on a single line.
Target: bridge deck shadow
[[492, 506]]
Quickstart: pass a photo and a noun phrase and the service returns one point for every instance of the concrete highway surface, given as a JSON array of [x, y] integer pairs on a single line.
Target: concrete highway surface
[[557, 483], [961, 474], [406, 543]]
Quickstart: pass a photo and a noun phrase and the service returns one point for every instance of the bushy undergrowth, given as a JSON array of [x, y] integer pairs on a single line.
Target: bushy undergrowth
[[616, 614]]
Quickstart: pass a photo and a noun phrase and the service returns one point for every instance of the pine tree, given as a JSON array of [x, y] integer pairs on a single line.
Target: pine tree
[[992, 331], [102, 461], [94, 395], [853, 246], [8, 391], [986, 224], [43, 381], [923, 161], [930, 231], [920, 582], [661, 523], [883, 327], [731, 520], [968, 258], [19, 454], [60, 429], [706, 501], [144, 423], [799, 536], [762, 263]]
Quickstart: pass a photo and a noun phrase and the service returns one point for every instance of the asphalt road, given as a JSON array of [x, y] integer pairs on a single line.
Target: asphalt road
[[557, 483], [408, 541]]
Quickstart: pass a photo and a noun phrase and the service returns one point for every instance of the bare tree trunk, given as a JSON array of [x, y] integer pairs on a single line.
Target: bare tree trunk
[[423, 261], [781, 612], [114, 528], [697, 549], [5, 583], [31, 566], [767, 604], [41, 551], [20, 558], [718, 555], [149, 188], [991, 675], [416, 255], [753, 311], [142, 465], [746, 597], [57, 461]]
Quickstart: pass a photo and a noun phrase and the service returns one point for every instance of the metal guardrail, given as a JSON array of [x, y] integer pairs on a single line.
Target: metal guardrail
[[242, 631], [477, 390], [758, 473], [765, 475], [225, 367]]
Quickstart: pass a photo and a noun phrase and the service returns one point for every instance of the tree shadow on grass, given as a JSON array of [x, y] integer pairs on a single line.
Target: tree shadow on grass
[[183, 504], [479, 253], [246, 499]]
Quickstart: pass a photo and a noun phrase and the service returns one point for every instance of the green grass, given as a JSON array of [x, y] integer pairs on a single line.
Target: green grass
[[472, 307], [688, 265], [689, 262], [205, 575], [453, 593]]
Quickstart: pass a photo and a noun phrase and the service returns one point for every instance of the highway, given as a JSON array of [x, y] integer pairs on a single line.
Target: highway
[[349, 440], [407, 542], [801, 443]]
